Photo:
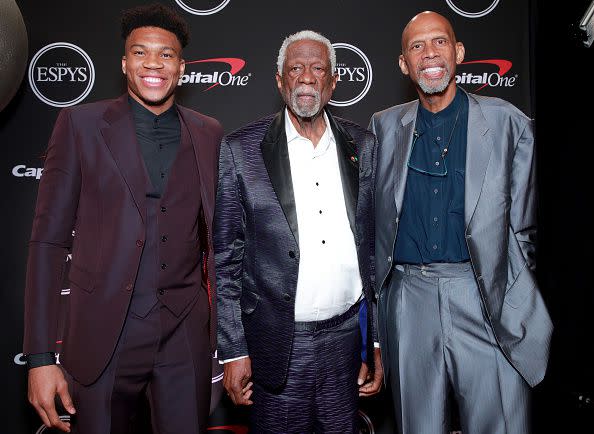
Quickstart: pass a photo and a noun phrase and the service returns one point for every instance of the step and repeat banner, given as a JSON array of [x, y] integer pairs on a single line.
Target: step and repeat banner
[[73, 57]]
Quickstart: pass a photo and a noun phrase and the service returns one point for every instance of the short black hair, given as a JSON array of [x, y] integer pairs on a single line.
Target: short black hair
[[155, 15]]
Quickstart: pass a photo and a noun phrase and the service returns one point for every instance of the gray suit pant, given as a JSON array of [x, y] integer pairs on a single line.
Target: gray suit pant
[[437, 338]]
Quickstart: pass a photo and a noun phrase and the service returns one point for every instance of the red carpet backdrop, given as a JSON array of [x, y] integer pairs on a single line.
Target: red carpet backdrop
[[74, 52]]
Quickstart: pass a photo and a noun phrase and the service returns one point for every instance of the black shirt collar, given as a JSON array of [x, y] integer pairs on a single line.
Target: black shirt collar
[[143, 116]]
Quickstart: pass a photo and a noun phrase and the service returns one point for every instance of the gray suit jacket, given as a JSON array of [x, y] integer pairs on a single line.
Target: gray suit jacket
[[499, 218]]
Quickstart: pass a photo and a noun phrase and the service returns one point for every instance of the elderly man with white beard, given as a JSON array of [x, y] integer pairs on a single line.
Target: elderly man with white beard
[[293, 239]]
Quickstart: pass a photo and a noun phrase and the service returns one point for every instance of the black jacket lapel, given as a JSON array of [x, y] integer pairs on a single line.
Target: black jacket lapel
[[275, 153], [348, 162]]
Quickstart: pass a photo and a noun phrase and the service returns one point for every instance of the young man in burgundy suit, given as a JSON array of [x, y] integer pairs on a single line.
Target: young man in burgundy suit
[[134, 180]]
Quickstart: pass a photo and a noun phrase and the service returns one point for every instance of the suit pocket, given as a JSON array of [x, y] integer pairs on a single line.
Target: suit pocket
[[249, 301], [81, 278], [522, 287]]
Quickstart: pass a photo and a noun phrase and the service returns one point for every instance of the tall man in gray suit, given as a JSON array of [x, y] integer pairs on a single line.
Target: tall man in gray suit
[[459, 307]]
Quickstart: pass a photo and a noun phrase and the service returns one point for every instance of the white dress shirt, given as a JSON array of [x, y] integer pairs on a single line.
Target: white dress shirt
[[329, 281]]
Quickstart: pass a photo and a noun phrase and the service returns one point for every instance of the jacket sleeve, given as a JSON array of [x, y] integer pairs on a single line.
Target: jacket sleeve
[[523, 194], [51, 237], [229, 236]]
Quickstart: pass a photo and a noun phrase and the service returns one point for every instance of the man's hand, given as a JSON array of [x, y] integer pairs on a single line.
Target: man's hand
[[45, 382], [236, 380], [370, 383]]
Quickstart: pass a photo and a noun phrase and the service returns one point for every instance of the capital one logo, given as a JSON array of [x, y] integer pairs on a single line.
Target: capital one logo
[[61, 74], [354, 75], [202, 7], [219, 71], [459, 6], [482, 74]]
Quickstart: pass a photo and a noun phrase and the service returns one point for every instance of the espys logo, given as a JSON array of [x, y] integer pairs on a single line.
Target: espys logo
[[202, 7], [365, 424], [354, 74], [491, 79], [61, 74], [212, 75], [487, 5]]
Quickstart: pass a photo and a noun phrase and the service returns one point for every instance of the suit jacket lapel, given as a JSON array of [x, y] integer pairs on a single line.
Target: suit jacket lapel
[[348, 163], [402, 149], [192, 130], [275, 153], [120, 138], [478, 151]]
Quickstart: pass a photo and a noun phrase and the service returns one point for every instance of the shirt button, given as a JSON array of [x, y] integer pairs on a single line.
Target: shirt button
[[468, 236], [163, 266], [161, 291], [164, 238], [434, 246], [437, 163], [434, 219], [323, 241], [320, 211], [139, 243], [436, 191], [317, 184], [163, 209], [438, 138], [291, 254]]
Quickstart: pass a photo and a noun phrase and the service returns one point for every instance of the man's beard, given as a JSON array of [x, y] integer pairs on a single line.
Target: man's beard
[[305, 111], [435, 87]]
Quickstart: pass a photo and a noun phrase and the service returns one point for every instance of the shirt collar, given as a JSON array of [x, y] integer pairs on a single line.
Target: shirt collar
[[325, 141], [142, 114], [447, 114]]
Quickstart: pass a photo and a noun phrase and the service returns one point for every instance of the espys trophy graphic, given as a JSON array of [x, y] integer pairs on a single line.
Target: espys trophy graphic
[[13, 50]]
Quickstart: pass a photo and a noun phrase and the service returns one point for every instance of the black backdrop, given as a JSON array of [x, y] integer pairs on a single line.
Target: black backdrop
[[519, 50]]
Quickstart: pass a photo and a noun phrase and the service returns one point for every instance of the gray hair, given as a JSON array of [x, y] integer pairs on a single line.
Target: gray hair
[[305, 35]]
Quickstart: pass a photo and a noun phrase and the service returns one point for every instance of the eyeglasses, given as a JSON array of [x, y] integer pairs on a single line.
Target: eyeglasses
[[439, 167]]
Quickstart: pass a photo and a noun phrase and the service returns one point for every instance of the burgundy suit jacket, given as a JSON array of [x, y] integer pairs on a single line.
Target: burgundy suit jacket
[[94, 183]]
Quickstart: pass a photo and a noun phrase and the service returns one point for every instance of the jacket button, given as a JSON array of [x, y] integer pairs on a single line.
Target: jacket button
[[139, 243], [129, 287], [286, 297], [163, 266], [291, 254], [389, 259], [161, 291]]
